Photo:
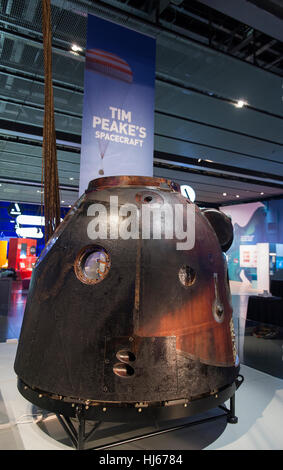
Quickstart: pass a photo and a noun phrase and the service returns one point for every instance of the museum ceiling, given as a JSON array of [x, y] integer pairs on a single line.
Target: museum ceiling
[[209, 55]]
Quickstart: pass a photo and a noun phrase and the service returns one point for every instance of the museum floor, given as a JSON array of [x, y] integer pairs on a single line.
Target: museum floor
[[259, 403]]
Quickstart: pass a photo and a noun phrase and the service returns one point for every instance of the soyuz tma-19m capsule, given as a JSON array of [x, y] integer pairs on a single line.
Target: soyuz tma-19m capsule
[[117, 315]]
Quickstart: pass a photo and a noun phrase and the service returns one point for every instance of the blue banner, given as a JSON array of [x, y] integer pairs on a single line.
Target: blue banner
[[118, 112]]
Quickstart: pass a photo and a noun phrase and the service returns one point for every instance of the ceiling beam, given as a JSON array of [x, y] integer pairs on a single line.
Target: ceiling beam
[[243, 43], [134, 19], [39, 78], [222, 170], [60, 47], [275, 62], [248, 13], [263, 48]]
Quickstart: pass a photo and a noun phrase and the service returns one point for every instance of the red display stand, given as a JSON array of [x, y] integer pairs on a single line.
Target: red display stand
[[22, 255]]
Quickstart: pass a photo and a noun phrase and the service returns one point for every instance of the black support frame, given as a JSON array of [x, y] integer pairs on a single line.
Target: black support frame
[[82, 412], [79, 437]]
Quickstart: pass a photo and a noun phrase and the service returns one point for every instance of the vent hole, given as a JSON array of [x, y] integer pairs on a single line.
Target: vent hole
[[123, 370], [125, 356]]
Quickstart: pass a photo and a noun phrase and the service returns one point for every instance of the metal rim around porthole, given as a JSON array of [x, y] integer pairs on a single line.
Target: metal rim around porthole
[[92, 264], [149, 197]]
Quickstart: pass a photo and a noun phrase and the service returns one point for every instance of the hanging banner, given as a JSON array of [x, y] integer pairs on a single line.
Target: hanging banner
[[118, 110]]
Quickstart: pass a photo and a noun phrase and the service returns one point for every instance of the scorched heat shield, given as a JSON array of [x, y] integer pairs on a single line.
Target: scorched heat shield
[[121, 321]]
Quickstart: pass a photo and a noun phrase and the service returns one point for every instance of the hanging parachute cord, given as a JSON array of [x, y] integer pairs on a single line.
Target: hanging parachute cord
[[42, 191], [50, 179]]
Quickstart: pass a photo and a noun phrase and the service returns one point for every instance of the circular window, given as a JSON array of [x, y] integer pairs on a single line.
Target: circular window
[[187, 276], [92, 264]]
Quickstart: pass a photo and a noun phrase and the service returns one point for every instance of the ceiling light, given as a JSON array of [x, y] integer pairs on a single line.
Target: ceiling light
[[76, 48], [62, 202], [224, 194], [261, 194], [240, 104], [237, 195], [71, 179], [199, 160]]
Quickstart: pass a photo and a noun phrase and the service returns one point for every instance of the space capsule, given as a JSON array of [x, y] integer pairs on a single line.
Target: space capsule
[[121, 310]]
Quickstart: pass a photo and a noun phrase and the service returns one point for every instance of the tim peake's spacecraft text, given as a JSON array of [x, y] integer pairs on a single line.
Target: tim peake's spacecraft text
[[119, 128]]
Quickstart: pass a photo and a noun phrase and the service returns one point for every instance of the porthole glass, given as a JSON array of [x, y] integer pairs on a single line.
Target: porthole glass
[[95, 265], [92, 264], [187, 276]]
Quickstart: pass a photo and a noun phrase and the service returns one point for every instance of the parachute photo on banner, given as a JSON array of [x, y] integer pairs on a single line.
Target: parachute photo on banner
[[112, 66], [118, 112]]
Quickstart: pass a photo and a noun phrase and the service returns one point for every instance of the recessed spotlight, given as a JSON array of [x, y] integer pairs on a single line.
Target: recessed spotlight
[[237, 195], [240, 104], [261, 194], [76, 48], [224, 194], [71, 178], [69, 205], [62, 202]]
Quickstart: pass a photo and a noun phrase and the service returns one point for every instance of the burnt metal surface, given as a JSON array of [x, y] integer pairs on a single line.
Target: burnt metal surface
[[155, 328], [153, 357]]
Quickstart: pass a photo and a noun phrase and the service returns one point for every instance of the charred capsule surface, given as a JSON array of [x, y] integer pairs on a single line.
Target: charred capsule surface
[[117, 313]]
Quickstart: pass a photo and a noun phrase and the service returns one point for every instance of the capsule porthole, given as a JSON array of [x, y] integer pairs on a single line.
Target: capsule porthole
[[187, 276], [92, 264]]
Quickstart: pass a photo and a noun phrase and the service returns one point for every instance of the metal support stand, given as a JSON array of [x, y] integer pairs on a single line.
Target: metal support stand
[[79, 438], [82, 412], [232, 418]]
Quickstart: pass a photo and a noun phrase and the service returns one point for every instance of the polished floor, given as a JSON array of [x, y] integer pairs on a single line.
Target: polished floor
[[259, 401], [11, 321]]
